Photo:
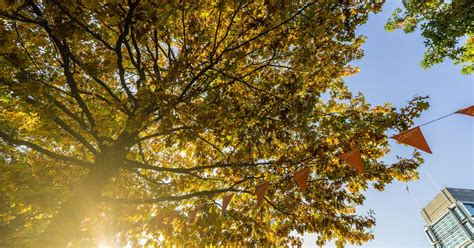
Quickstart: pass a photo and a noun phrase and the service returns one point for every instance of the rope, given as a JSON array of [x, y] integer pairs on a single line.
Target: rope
[[431, 179], [429, 122], [413, 197]]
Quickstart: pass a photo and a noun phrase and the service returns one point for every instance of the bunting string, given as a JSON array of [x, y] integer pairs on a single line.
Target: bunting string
[[466, 111], [437, 187], [413, 197], [412, 137], [437, 119]]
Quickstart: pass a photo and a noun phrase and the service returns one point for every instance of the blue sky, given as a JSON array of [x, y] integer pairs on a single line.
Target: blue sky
[[391, 72]]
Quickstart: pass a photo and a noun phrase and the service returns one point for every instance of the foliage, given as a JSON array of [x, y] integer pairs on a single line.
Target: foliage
[[444, 25], [117, 118]]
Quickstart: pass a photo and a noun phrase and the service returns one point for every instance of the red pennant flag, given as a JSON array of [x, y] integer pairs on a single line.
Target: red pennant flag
[[301, 178], [354, 158], [413, 137], [467, 111], [196, 209], [260, 192], [173, 215], [225, 202], [156, 220]]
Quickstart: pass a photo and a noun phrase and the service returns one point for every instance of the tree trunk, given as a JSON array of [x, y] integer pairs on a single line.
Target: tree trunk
[[65, 225]]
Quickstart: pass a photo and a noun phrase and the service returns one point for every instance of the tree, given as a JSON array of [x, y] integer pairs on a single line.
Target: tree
[[444, 25], [118, 117]]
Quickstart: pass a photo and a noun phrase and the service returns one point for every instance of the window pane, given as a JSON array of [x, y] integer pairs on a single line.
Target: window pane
[[470, 208]]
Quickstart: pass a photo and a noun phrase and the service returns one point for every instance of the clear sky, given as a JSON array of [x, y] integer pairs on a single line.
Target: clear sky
[[390, 72]]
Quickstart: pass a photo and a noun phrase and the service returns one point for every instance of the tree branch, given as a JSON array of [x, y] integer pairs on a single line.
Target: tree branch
[[178, 197], [166, 132], [118, 50], [64, 51], [102, 84], [75, 134], [167, 198], [139, 165], [87, 29], [44, 151], [300, 11]]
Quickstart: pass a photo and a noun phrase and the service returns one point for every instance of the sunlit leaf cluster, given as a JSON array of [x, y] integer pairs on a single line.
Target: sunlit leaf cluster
[[447, 26]]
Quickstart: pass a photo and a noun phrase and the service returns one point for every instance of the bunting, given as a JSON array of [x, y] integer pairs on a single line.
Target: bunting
[[260, 191], [225, 202], [413, 137], [301, 178], [156, 220], [467, 111], [163, 218], [354, 158], [196, 209]]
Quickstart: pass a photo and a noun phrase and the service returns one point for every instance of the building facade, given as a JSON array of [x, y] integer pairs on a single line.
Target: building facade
[[450, 219]]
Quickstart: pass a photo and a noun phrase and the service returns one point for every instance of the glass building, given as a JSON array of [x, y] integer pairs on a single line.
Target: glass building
[[450, 219]]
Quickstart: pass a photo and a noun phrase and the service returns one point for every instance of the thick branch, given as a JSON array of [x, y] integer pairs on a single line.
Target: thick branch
[[139, 165], [171, 197], [162, 133], [44, 151], [73, 84], [118, 50], [69, 113], [65, 54], [101, 83], [75, 134]]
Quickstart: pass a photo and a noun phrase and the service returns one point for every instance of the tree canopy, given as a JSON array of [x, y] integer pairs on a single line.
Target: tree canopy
[[447, 26], [117, 118]]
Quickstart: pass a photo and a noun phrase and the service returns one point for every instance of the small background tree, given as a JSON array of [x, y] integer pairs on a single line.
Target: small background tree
[[447, 26]]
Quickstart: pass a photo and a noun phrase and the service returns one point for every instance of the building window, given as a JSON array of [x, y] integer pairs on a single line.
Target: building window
[[430, 236], [459, 214], [449, 232], [470, 208]]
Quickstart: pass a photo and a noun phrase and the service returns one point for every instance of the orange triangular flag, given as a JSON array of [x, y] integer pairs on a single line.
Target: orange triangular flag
[[260, 192], [301, 178], [354, 158], [225, 202], [413, 137], [467, 111], [196, 209], [156, 220]]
